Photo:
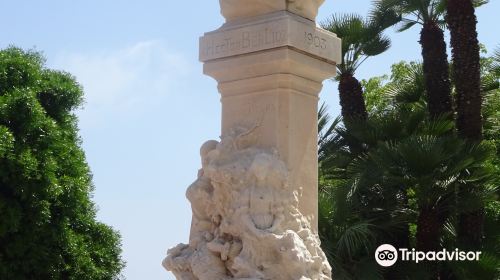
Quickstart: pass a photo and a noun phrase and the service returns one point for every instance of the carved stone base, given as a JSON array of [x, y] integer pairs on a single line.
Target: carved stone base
[[246, 221]]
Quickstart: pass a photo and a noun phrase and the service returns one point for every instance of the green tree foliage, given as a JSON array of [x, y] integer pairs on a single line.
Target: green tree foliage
[[403, 188], [48, 227], [490, 89]]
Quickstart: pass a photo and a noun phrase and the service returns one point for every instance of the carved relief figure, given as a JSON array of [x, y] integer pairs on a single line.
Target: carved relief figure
[[199, 194], [246, 223]]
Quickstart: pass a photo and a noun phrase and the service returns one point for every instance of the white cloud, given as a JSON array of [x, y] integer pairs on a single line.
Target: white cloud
[[116, 80]]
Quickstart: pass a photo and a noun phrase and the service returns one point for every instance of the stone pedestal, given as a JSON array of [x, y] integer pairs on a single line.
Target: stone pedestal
[[255, 201], [270, 71]]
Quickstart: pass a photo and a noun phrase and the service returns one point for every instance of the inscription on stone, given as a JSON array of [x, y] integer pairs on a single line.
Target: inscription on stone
[[245, 40], [255, 108], [314, 40], [272, 34]]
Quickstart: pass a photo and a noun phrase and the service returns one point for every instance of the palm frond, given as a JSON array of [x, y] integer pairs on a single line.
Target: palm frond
[[496, 62], [361, 38], [357, 237], [479, 3], [406, 24], [383, 16], [408, 12], [376, 45]]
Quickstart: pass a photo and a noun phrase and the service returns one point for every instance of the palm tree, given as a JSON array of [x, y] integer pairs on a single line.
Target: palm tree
[[364, 198], [361, 39], [429, 14], [419, 156], [462, 21], [406, 178]]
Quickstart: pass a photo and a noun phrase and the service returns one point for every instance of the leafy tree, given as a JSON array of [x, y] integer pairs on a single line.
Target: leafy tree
[[48, 227], [428, 14], [361, 39]]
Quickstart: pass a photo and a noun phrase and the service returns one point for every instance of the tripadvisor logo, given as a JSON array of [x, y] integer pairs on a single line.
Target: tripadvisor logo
[[387, 255]]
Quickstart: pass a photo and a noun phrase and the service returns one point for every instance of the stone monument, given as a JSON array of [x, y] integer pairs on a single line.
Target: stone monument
[[254, 202]]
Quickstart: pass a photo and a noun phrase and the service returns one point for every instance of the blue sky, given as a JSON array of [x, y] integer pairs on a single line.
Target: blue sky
[[149, 107]]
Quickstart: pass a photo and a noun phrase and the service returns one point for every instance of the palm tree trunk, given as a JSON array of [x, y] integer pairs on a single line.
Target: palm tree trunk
[[353, 106], [439, 103], [403, 236], [429, 226], [351, 98], [462, 22], [436, 72], [470, 229], [428, 229]]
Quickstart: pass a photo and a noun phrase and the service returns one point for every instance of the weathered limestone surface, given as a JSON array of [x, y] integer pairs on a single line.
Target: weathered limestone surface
[[246, 222], [255, 200]]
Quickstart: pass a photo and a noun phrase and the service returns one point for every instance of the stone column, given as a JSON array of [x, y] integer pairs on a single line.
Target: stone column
[[255, 201]]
